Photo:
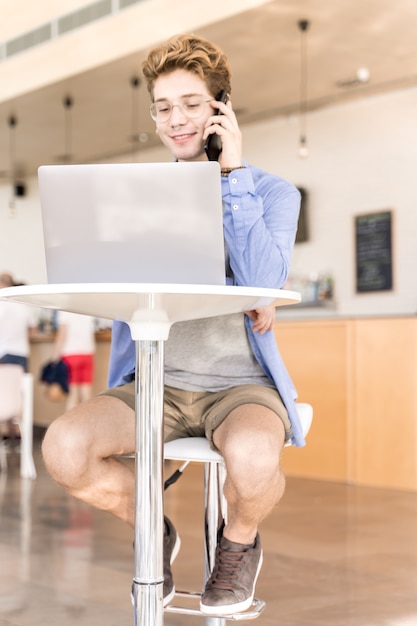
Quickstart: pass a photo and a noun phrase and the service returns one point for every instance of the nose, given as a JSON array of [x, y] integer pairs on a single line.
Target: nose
[[177, 115]]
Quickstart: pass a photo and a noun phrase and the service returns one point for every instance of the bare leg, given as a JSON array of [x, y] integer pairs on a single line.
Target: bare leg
[[85, 392], [250, 440], [77, 394], [72, 398], [79, 450]]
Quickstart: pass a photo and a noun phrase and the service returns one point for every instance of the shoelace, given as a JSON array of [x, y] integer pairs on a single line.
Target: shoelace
[[227, 566]]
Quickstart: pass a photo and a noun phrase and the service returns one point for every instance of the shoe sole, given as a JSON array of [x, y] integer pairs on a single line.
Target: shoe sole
[[174, 554], [230, 609]]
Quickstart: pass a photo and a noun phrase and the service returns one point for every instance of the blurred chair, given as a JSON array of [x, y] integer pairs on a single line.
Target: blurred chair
[[16, 405]]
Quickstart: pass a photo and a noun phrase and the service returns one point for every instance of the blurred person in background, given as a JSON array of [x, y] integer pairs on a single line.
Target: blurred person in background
[[75, 345], [17, 324]]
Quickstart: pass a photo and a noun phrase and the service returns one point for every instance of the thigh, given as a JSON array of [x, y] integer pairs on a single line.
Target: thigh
[[250, 431], [183, 410], [246, 407]]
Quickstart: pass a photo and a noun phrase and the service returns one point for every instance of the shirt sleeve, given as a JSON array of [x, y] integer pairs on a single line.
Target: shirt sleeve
[[122, 355], [260, 223]]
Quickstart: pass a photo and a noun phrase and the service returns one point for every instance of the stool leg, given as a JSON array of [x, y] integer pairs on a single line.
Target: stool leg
[[27, 465], [215, 512], [148, 578]]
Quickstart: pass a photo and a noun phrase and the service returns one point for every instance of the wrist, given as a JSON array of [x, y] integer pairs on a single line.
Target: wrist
[[225, 171]]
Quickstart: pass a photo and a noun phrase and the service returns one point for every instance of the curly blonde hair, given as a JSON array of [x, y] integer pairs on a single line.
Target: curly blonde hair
[[191, 53]]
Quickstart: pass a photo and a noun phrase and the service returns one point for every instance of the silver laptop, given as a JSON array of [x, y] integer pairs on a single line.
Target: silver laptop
[[138, 222]]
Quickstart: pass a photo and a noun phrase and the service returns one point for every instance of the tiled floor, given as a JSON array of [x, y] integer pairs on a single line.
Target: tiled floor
[[334, 555]]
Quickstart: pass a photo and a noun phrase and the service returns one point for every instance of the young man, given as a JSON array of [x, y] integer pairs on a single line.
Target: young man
[[224, 378]]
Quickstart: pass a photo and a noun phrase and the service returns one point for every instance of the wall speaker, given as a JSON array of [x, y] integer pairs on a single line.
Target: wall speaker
[[20, 190]]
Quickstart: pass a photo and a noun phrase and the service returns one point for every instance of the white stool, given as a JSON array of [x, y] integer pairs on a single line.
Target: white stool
[[16, 403], [215, 509]]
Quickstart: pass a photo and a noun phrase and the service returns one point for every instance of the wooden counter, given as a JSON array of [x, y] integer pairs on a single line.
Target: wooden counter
[[41, 351], [360, 375]]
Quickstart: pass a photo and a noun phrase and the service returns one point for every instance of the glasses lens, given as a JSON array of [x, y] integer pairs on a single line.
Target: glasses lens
[[192, 106], [161, 111]]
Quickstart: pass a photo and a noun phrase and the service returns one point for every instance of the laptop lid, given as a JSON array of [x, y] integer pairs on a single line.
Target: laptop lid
[[137, 222]]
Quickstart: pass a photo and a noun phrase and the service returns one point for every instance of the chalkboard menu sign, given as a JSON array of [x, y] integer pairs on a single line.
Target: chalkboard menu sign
[[373, 238]]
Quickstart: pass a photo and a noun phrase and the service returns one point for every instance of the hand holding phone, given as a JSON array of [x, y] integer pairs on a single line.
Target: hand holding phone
[[214, 143]]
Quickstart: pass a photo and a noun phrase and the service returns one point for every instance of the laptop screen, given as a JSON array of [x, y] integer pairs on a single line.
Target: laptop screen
[[139, 222]]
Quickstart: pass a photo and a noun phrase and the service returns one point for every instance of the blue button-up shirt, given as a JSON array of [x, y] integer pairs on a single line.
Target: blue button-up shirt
[[260, 222]]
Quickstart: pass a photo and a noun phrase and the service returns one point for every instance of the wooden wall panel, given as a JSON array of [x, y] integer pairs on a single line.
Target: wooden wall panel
[[315, 355], [386, 407], [360, 375]]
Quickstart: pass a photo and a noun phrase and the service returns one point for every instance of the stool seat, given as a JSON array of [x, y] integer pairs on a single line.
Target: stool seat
[[191, 449], [16, 396], [198, 448]]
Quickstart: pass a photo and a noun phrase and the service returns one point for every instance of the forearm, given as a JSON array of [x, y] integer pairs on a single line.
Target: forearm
[[59, 343]]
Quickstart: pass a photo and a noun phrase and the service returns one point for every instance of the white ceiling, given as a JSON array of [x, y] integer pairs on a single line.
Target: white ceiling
[[264, 48]]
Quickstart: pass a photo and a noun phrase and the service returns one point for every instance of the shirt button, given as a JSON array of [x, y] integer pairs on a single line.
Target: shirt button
[[234, 181], [235, 207]]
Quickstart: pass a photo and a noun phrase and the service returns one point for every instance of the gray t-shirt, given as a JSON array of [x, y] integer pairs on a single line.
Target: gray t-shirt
[[211, 354]]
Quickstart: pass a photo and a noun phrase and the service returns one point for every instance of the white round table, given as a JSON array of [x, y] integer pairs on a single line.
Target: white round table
[[149, 310]]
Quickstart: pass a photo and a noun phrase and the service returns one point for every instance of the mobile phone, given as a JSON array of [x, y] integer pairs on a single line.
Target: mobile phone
[[214, 143]]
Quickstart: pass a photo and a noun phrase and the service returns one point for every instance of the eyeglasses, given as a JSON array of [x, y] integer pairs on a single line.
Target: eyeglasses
[[191, 106]]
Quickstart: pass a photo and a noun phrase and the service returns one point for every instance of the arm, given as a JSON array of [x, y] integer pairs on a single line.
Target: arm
[[261, 211], [60, 337], [260, 224]]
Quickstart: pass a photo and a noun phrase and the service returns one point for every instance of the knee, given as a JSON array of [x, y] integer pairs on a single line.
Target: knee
[[253, 456], [65, 451]]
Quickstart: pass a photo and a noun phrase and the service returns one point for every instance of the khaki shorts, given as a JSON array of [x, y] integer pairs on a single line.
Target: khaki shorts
[[198, 414]]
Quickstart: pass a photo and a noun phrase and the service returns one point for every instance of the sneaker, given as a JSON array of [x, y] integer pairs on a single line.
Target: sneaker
[[172, 544], [231, 586]]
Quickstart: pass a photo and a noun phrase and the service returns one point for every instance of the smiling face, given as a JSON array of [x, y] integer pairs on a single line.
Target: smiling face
[[182, 135]]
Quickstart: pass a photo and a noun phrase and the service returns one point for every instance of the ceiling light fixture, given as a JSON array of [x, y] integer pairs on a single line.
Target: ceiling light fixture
[[361, 77], [363, 74], [303, 145]]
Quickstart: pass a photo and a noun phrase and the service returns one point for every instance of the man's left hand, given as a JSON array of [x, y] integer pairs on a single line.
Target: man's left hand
[[263, 319]]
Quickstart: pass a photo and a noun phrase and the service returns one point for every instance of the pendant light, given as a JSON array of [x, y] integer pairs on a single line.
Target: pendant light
[[303, 26], [68, 103], [134, 137], [17, 188]]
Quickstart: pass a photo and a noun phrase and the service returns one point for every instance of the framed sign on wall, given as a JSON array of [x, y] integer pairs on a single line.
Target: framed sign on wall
[[302, 230], [374, 252]]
